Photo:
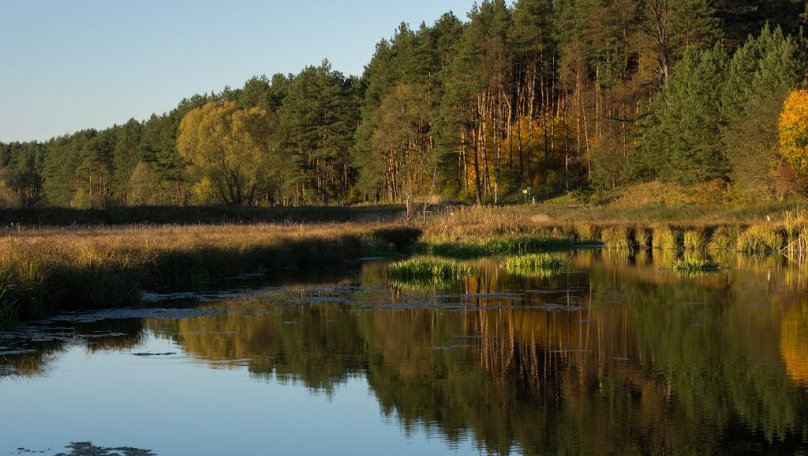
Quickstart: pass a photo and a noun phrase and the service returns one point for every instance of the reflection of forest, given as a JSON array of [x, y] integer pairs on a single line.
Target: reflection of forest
[[621, 358], [38, 346]]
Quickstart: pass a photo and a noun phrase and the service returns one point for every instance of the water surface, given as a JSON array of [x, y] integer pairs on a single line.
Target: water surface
[[619, 355]]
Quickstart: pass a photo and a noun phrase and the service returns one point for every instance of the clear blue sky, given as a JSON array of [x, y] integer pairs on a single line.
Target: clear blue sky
[[68, 65]]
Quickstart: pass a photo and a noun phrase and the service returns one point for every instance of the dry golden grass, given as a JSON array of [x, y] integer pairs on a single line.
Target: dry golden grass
[[99, 267]]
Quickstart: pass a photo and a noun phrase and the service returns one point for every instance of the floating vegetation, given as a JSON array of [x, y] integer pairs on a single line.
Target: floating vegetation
[[428, 271], [536, 265], [691, 266]]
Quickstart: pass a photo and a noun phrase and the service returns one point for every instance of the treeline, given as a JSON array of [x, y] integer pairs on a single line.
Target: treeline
[[531, 99]]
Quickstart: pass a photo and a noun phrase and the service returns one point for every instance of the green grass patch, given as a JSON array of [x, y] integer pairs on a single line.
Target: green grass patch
[[429, 268], [534, 265], [428, 272]]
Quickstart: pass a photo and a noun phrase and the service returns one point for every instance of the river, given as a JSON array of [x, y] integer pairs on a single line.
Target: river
[[616, 355]]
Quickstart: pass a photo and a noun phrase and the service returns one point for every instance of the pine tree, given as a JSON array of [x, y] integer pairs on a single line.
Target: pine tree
[[684, 142]]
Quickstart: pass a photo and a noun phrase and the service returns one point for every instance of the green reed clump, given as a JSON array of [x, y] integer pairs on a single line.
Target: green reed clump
[[761, 239], [724, 239], [534, 265], [587, 233], [429, 270], [795, 225], [695, 239], [644, 238], [618, 237], [665, 238], [693, 265]]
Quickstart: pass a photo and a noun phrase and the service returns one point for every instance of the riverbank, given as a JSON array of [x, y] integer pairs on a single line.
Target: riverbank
[[60, 268], [756, 230], [52, 268]]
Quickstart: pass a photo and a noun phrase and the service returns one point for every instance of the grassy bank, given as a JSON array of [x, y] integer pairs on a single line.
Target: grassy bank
[[60, 268], [42, 269], [461, 231]]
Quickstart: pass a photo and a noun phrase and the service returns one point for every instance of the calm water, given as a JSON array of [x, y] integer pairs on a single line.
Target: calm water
[[619, 356]]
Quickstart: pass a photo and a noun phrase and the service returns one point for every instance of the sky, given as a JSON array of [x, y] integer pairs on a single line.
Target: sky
[[70, 65]]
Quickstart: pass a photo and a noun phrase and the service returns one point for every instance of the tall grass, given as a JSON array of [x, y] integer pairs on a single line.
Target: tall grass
[[695, 239], [428, 271], [22, 292], [49, 269], [535, 265], [588, 233], [724, 239], [619, 237], [761, 239], [666, 238], [644, 237]]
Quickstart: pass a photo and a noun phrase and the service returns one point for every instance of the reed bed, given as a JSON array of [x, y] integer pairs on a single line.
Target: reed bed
[[753, 230], [759, 239], [695, 239], [618, 237], [61, 268]]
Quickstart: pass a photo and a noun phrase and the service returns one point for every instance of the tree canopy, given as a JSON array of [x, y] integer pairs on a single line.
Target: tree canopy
[[555, 96]]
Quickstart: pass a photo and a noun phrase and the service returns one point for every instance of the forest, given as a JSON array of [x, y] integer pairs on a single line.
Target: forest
[[533, 99]]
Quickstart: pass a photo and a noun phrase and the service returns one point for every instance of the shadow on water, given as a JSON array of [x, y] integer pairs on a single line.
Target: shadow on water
[[616, 355]]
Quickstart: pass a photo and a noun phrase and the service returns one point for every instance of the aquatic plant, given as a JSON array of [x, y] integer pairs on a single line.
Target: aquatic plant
[[618, 237], [644, 237], [695, 239], [588, 233], [534, 265], [429, 269], [665, 238], [761, 239], [724, 239]]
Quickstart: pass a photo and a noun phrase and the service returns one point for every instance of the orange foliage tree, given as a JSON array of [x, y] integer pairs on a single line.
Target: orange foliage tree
[[793, 127]]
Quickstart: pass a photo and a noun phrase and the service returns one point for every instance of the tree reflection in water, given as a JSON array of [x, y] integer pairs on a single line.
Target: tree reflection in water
[[618, 356]]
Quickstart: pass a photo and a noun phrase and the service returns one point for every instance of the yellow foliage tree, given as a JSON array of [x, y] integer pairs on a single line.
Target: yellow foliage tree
[[793, 127], [228, 147]]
